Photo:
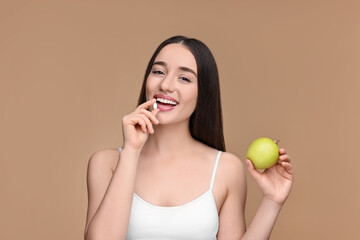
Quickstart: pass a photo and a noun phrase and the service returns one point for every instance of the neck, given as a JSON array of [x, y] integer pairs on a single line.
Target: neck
[[170, 139]]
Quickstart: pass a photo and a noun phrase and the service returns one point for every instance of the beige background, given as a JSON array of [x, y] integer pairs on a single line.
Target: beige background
[[70, 70]]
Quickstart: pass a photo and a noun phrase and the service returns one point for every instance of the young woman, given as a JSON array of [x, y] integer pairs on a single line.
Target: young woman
[[172, 179]]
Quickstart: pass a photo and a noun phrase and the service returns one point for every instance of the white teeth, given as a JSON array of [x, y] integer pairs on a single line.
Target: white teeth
[[166, 101]]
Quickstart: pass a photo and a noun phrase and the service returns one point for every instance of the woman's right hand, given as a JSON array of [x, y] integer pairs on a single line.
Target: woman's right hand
[[138, 125]]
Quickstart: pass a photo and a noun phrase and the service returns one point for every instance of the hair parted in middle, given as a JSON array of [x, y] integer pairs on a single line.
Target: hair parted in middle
[[206, 121]]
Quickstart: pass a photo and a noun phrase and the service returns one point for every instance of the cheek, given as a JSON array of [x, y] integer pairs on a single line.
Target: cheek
[[193, 98]]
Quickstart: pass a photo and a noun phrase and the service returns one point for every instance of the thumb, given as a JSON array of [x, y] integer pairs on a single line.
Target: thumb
[[155, 111], [251, 168]]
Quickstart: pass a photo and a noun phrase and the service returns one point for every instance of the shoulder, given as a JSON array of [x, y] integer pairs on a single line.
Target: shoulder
[[231, 162], [232, 169], [104, 159]]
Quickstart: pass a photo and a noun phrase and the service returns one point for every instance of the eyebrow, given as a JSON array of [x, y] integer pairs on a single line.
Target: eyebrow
[[182, 68]]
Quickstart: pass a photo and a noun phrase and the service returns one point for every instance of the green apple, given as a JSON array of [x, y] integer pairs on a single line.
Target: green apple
[[263, 153]]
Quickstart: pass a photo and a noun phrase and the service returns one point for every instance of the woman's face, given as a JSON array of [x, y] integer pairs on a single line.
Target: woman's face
[[173, 82]]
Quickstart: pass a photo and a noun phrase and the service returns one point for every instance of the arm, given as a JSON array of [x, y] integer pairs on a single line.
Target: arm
[[264, 221], [275, 184], [232, 223], [275, 188], [110, 195]]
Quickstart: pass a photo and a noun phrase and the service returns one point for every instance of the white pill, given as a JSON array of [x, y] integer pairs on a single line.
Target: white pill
[[155, 106]]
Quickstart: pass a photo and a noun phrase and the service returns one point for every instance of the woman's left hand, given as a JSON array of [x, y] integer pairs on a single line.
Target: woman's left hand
[[276, 181]]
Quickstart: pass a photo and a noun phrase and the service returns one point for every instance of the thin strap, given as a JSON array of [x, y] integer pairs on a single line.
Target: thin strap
[[214, 171], [120, 149]]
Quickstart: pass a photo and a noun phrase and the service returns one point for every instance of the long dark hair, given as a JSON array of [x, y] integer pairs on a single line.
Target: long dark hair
[[206, 120]]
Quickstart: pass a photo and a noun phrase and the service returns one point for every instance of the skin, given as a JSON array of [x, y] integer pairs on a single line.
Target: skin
[[151, 151]]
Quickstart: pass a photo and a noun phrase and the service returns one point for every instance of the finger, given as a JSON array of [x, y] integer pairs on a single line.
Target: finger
[[150, 115], [288, 170], [152, 107], [146, 104], [155, 111], [283, 158], [251, 168], [147, 123], [282, 151], [286, 165], [137, 120], [250, 164]]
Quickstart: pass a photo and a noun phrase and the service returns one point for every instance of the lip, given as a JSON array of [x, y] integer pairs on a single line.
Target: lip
[[166, 97], [162, 107]]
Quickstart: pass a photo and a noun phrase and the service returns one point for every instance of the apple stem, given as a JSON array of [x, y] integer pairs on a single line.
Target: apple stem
[[277, 141]]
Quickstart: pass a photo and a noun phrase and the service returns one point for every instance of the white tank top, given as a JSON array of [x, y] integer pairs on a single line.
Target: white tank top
[[197, 219]]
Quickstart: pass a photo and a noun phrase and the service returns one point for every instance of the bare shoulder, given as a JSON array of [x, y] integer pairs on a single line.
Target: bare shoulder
[[104, 159], [100, 170], [231, 161], [232, 167]]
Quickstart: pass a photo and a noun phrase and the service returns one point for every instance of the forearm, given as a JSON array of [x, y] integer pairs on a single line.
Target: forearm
[[112, 217], [263, 222]]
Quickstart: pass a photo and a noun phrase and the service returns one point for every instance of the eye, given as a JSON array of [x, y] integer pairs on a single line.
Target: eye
[[157, 72], [185, 79]]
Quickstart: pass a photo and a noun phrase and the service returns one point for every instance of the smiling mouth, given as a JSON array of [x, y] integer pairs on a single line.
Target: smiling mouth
[[165, 102]]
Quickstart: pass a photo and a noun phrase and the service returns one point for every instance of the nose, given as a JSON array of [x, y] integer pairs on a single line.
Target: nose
[[168, 83]]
